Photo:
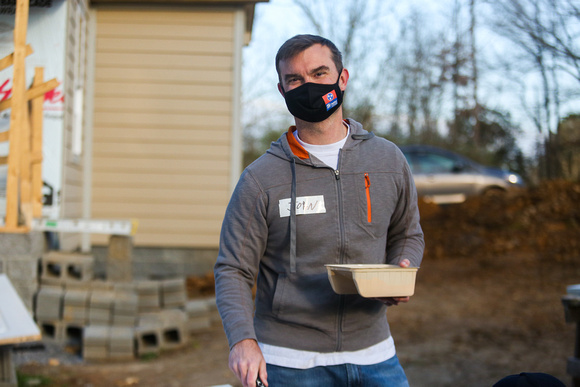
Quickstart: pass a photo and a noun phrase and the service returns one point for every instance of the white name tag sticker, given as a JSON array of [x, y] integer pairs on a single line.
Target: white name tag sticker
[[305, 205]]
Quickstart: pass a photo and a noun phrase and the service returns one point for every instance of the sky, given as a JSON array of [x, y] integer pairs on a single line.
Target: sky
[[278, 20]]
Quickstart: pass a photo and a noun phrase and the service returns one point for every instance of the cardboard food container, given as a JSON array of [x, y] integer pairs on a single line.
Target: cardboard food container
[[373, 280]]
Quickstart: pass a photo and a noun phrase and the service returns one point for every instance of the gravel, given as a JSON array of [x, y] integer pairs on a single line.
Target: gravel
[[45, 352]]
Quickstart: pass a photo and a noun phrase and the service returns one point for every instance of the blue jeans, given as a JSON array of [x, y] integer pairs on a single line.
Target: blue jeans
[[386, 374]]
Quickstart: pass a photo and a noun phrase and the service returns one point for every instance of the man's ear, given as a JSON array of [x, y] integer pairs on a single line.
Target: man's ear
[[280, 89], [343, 79]]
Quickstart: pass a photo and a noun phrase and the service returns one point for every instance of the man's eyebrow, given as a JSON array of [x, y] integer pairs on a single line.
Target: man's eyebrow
[[320, 68], [290, 76], [313, 71]]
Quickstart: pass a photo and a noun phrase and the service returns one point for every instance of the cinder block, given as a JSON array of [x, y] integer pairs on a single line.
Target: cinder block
[[67, 267], [125, 308], [101, 307], [173, 285], [76, 297], [98, 285], [96, 342], [174, 332], [96, 335], [7, 369], [173, 293], [13, 244], [75, 306], [130, 287], [148, 333], [73, 334], [119, 258], [52, 330], [213, 310], [120, 320], [198, 315], [126, 302], [147, 287], [25, 268], [149, 296], [121, 344], [48, 305]]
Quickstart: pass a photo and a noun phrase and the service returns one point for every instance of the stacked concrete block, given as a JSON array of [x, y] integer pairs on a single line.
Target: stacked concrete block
[[125, 308], [7, 369], [119, 262], [101, 307], [75, 306], [58, 268], [148, 292], [48, 304], [48, 312], [19, 255], [96, 342], [173, 293], [198, 316], [174, 332], [121, 343], [75, 315], [213, 310], [148, 334]]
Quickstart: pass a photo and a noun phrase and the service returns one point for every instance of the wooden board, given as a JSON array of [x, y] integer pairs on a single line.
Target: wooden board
[[16, 324]]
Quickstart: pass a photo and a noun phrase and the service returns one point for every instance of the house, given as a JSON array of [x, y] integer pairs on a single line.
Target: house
[[151, 123]]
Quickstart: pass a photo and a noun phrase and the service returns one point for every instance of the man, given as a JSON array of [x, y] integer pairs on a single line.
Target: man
[[326, 192]]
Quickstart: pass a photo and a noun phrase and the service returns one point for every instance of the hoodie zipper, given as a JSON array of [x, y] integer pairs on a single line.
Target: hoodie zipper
[[368, 192], [341, 252]]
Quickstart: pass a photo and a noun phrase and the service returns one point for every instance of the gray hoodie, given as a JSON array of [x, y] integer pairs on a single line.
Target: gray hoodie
[[291, 214]]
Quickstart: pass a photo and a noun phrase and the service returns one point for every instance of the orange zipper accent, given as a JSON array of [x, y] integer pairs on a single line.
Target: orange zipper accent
[[368, 191]]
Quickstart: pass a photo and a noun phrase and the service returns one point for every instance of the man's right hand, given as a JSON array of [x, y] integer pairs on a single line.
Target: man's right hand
[[247, 362]]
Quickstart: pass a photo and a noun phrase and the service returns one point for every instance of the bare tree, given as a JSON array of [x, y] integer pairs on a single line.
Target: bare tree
[[546, 33], [356, 28]]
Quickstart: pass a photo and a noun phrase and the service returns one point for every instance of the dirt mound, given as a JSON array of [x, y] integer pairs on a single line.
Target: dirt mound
[[544, 220]]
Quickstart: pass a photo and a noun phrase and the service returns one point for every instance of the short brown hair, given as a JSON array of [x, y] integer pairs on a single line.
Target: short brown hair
[[299, 43]]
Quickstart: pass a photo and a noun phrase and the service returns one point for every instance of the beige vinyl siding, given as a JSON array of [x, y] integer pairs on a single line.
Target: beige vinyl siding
[[75, 77], [162, 123]]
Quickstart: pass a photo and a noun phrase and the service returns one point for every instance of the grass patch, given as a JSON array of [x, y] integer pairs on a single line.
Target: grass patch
[[32, 380]]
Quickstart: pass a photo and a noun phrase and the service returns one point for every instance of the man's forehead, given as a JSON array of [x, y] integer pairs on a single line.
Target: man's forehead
[[314, 57]]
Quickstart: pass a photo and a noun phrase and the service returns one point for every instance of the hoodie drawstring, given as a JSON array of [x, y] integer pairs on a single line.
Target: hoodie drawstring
[[293, 220]]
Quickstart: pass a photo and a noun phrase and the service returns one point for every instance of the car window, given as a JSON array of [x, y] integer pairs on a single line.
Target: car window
[[433, 163]]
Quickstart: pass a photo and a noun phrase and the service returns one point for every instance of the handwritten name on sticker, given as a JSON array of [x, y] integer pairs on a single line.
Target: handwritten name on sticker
[[305, 205]]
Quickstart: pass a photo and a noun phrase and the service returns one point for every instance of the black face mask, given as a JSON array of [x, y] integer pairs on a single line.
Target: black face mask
[[314, 102]]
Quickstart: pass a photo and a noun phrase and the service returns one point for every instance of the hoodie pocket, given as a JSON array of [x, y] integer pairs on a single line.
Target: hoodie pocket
[[368, 196], [374, 203]]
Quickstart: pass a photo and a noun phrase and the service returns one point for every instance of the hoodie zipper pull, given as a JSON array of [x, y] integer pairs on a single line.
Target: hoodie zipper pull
[[337, 174]]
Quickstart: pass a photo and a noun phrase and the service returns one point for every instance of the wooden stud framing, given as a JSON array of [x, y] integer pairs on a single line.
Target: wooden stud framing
[[24, 180], [17, 115], [36, 144]]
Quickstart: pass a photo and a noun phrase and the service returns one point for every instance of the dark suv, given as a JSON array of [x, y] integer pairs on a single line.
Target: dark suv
[[444, 177]]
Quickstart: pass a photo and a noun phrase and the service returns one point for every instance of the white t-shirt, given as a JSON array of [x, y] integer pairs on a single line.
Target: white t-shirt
[[327, 153], [292, 358]]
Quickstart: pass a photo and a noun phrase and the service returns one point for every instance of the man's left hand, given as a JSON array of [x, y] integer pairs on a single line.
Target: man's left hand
[[390, 301]]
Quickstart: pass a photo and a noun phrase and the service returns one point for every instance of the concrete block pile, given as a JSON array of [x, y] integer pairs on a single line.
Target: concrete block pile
[[114, 320], [19, 254]]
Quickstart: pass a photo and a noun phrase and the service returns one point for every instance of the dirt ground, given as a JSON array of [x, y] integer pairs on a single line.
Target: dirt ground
[[487, 302]]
